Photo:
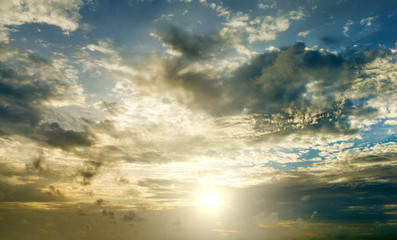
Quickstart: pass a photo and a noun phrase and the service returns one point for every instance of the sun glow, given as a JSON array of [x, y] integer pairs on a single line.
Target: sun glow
[[211, 200]]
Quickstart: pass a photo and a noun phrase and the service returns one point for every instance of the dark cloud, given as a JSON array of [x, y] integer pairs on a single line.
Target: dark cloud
[[303, 89], [190, 45], [54, 135], [279, 83], [23, 93], [360, 56], [327, 40], [21, 99], [28, 84], [123, 180], [5, 170], [106, 213], [383, 158], [5, 191], [30, 192], [99, 202], [54, 193], [90, 169], [130, 216], [80, 212], [37, 164], [153, 182], [87, 174], [343, 194]]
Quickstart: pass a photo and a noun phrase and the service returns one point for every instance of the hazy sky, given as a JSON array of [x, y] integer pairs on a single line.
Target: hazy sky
[[198, 119]]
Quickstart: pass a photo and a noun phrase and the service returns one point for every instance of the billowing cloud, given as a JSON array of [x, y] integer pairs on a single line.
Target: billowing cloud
[[295, 88]]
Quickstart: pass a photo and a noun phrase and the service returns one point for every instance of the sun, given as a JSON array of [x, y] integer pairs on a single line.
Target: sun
[[211, 200]]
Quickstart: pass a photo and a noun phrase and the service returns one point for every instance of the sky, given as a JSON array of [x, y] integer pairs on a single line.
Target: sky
[[198, 119]]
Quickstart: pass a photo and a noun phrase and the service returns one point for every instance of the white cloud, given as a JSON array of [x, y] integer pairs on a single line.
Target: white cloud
[[391, 131], [270, 5], [222, 11], [313, 214], [346, 28], [367, 22], [380, 79], [262, 219], [267, 28], [303, 34], [238, 20], [61, 13], [391, 122], [305, 198]]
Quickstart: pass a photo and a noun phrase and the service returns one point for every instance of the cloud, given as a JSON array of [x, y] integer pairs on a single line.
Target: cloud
[[305, 198], [270, 5], [268, 126], [54, 193], [301, 224], [347, 27], [303, 34], [328, 40], [367, 22], [313, 215], [54, 135], [90, 169], [131, 217], [61, 13], [99, 202], [267, 28], [262, 219], [31, 93], [296, 88], [189, 44], [37, 164], [80, 212], [106, 213], [31, 192]]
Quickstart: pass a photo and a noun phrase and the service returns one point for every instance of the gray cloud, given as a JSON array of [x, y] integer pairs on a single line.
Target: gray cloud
[[292, 90], [90, 170], [130, 216], [37, 164], [327, 40], [357, 194], [5, 170], [99, 202], [54, 135], [191, 46], [106, 213], [30, 193], [26, 94], [55, 194]]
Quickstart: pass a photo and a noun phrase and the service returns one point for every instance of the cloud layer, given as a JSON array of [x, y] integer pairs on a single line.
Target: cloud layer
[[197, 120]]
